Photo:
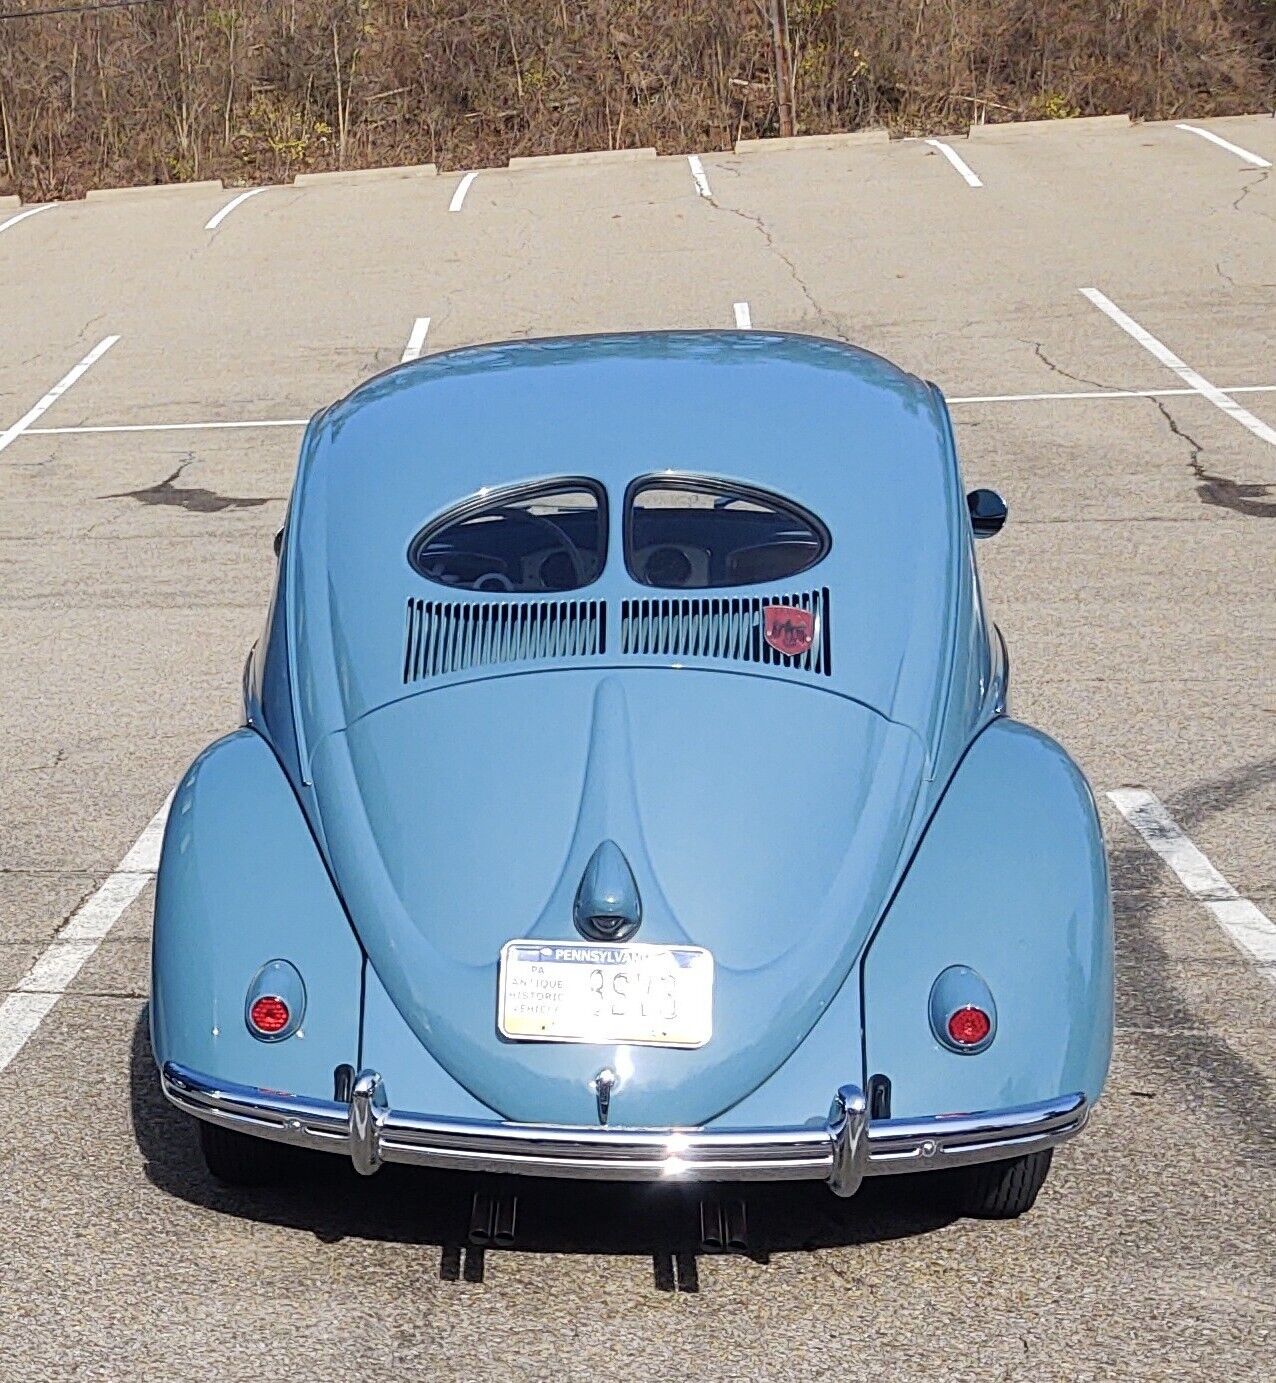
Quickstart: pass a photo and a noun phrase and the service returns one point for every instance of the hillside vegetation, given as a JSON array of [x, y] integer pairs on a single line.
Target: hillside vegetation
[[257, 90]]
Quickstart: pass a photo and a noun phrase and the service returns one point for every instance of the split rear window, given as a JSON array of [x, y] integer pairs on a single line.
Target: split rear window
[[696, 534], [681, 533]]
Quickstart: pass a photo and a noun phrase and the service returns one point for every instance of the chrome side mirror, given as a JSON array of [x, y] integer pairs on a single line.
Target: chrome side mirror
[[987, 512]]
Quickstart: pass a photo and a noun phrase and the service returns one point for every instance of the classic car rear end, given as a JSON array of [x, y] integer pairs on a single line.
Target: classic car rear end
[[627, 792]]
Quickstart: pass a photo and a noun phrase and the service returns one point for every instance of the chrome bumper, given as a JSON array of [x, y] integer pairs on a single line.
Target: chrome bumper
[[842, 1150]]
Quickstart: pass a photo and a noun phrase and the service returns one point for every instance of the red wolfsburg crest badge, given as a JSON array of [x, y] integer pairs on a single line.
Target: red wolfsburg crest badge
[[787, 629]]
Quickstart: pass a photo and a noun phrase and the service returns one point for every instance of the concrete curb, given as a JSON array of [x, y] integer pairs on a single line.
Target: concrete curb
[[586, 157], [1034, 129], [162, 189], [340, 177], [849, 140]]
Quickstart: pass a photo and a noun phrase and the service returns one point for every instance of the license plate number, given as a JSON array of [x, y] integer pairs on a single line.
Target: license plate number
[[562, 991]]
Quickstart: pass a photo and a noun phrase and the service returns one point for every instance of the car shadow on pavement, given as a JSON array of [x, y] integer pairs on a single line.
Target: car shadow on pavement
[[415, 1206]]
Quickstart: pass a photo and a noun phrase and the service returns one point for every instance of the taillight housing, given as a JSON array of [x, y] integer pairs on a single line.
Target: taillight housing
[[275, 1002], [963, 1016]]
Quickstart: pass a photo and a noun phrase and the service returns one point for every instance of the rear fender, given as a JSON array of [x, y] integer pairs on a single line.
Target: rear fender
[[1011, 880], [241, 883]]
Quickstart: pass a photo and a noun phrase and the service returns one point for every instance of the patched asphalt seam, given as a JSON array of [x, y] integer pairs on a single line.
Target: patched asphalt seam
[[193, 499], [1195, 447], [1067, 374], [1253, 501], [58, 757], [764, 230], [1257, 179]]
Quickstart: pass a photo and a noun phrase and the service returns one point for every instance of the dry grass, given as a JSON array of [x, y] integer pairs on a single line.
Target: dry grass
[[256, 90]]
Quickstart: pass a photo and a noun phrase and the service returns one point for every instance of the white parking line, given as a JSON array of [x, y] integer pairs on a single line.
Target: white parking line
[[957, 161], [22, 215], [1255, 159], [216, 220], [35, 994], [1185, 372], [416, 340], [954, 399], [164, 427], [1247, 925], [700, 176], [54, 394], [458, 197], [743, 318], [1103, 394]]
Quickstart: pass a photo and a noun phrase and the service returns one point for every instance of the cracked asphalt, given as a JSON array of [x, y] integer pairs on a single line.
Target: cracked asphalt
[[1134, 585]]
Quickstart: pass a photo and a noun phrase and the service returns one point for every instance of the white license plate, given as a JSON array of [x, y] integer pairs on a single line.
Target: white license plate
[[566, 991]]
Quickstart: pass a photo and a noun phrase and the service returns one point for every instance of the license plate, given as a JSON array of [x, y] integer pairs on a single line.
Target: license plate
[[563, 991]]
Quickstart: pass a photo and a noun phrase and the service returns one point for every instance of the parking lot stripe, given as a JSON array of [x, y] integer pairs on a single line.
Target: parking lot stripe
[[1101, 394], [22, 215], [24, 422], [953, 399], [164, 427], [1247, 925], [1185, 372], [700, 176], [416, 340], [957, 161], [743, 318], [1256, 159], [35, 994], [216, 220], [458, 197]]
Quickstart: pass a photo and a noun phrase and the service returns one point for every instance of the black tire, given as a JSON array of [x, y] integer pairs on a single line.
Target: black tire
[[237, 1159], [1004, 1190]]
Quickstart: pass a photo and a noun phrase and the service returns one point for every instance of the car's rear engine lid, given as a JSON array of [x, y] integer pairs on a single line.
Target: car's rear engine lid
[[763, 820], [859, 444]]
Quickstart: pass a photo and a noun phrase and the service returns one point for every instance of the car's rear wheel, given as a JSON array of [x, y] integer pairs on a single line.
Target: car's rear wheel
[[236, 1159], [1004, 1190]]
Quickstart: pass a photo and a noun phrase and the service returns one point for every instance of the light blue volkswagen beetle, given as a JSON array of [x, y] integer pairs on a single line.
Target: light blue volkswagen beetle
[[627, 791]]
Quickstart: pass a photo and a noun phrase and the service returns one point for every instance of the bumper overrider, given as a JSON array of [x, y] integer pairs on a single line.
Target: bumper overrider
[[841, 1151]]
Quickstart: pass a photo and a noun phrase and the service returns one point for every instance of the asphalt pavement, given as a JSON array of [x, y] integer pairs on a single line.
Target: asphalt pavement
[[1097, 299]]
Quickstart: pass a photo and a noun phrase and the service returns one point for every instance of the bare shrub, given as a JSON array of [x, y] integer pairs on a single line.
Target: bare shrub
[[256, 90]]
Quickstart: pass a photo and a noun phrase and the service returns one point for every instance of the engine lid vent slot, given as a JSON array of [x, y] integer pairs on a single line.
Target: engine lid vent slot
[[445, 637], [730, 628]]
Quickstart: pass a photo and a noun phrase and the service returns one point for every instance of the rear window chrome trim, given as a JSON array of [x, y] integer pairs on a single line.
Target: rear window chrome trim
[[696, 481]]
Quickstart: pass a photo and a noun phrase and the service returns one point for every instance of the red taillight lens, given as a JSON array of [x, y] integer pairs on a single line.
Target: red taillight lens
[[269, 1014], [969, 1026]]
